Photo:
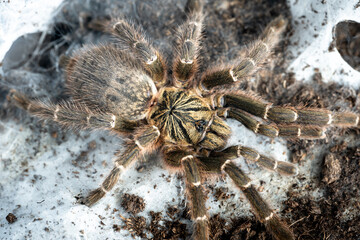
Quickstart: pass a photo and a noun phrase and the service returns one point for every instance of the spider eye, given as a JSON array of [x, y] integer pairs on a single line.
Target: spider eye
[[200, 125]]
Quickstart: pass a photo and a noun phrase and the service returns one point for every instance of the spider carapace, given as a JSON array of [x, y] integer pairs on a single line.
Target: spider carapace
[[186, 119]]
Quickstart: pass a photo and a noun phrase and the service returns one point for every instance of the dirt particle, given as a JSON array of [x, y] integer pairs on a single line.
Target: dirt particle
[[116, 228], [11, 218], [92, 145], [221, 193], [162, 228], [332, 169], [132, 204], [135, 225], [240, 228], [140, 169], [54, 134]]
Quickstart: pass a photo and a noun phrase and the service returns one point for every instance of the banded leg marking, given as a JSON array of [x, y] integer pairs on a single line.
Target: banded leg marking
[[185, 63], [146, 137], [113, 123], [251, 123], [280, 167], [215, 161], [271, 130], [287, 115], [261, 209], [55, 112], [122, 161], [69, 114], [255, 56], [196, 198], [134, 39]]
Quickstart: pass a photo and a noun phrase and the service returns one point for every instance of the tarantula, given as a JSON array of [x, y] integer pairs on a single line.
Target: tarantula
[[125, 87]]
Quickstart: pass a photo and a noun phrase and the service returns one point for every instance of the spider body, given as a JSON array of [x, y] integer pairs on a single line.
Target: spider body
[[124, 88]]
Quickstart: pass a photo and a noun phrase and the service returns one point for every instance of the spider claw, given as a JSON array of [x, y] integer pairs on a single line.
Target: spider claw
[[92, 198], [18, 99]]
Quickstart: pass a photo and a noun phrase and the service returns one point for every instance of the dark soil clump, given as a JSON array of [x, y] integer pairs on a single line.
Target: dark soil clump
[[132, 204], [11, 218]]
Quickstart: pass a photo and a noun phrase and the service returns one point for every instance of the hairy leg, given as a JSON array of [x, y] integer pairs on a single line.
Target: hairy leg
[[180, 159], [215, 160], [133, 38], [69, 114], [285, 114], [261, 209], [196, 198], [218, 162], [285, 121], [185, 62], [144, 141], [255, 56], [276, 130]]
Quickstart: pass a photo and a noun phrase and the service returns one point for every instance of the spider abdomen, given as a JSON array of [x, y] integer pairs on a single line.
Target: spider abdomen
[[107, 79]]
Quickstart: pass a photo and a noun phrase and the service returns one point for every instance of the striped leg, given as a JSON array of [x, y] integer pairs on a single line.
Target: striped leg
[[134, 39], [213, 162], [196, 198], [146, 138], [185, 63], [71, 114], [261, 209], [179, 158], [281, 167], [247, 66], [286, 115], [272, 130]]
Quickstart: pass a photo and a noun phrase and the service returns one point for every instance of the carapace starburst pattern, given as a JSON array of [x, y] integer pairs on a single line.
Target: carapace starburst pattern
[[126, 87]]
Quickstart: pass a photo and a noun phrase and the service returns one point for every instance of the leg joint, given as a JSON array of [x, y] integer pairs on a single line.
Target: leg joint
[[203, 218], [196, 184], [247, 185], [121, 167], [139, 145], [269, 217], [187, 157], [225, 163], [151, 60], [234, 78], [55, 112], [266, 111], [103, 189], [265, 45], [275, 165]]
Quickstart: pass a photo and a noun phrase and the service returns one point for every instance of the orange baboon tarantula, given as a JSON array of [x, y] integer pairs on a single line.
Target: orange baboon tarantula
[[129, 92]]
